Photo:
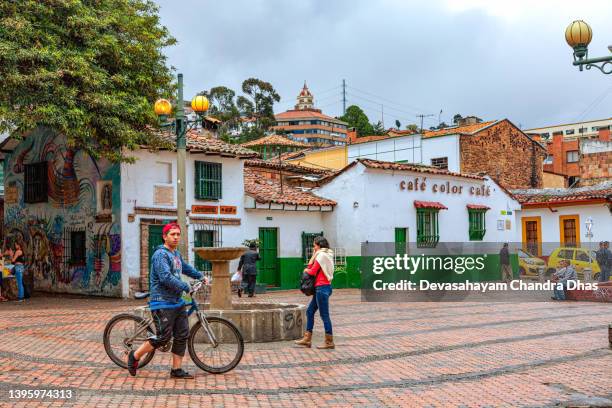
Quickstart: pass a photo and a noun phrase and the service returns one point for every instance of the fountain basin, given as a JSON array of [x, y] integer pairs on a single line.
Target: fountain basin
[[258, 322], [265, 322]]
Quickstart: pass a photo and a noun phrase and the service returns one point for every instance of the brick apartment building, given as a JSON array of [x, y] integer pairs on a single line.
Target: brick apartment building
[[583, 161], [499, 149]]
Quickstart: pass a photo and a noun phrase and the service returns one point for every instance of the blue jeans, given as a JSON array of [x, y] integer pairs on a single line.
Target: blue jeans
[[320, 302], [604, 275], [560, 293], [19, 277]]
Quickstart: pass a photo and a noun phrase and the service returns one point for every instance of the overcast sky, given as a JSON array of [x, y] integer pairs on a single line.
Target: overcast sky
[[494, 59]]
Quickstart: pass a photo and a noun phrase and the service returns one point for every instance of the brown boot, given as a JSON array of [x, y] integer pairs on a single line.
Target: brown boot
[[306, 341], [329, 342]]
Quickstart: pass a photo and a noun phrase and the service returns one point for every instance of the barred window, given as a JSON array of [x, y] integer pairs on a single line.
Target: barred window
[[440, 162], [77, 247], [477, 224], [35, 188], [427, 227]]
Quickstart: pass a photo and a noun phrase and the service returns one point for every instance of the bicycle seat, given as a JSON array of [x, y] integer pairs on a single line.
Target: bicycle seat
[[141, 295]]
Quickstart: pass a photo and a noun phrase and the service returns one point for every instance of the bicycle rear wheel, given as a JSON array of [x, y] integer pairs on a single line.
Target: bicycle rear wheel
[[120, 339], [220, 358]]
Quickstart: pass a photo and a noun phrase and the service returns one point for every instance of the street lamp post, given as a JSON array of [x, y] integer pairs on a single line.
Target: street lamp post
[[181, 126], [578, 36]]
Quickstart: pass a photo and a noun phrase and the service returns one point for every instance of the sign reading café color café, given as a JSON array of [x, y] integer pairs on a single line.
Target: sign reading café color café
[[447, 187]]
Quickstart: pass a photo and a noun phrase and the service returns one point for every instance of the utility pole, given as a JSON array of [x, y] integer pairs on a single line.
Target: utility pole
[[344, 97], [423, 116], [181, 145]]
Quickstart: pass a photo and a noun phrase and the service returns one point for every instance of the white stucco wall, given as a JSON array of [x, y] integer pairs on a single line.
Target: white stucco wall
[[443, 146], [601, 215], [383, 206], [290, 226], [394, 149], [137, 190], [411, 148]]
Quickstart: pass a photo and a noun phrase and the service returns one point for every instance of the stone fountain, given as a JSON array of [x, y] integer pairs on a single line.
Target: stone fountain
[[259, 322], [221, 291]]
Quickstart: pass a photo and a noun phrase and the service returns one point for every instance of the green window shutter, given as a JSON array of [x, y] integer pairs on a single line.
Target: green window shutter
[[428, 233], [477, 229], [208, 180]]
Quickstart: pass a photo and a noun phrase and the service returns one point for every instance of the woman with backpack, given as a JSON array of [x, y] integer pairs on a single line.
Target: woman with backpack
[[321, 265]]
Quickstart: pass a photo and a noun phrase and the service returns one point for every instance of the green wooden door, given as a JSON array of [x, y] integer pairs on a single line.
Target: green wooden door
[[203, 238], [155, 239], [401, 238], [268, 265]]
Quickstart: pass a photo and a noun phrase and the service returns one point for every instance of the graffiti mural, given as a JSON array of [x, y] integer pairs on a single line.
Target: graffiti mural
[[69, 247]]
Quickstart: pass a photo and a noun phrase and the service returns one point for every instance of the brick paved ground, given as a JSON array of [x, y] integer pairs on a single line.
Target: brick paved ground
[[408, 354]]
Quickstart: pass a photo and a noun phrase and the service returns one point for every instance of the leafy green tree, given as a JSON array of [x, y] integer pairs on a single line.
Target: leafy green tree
[[223, 106], [378, 128], [356, 117], [398, 124], [412, 127], [457, 118], [90, 70], [258, 103]]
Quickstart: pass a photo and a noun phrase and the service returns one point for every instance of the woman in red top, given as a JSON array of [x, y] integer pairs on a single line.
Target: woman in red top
[[321, 265]]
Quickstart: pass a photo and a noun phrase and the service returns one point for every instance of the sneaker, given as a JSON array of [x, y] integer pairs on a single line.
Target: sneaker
[[180, 373], [132, 363]]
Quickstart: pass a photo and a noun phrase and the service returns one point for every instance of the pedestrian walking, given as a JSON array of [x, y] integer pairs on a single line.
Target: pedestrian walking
[[248, 267], [321, 265], [504, 260], [604, 260]]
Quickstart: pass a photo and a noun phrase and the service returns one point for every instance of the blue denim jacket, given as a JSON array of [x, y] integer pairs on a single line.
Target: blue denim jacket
[[165, 282]]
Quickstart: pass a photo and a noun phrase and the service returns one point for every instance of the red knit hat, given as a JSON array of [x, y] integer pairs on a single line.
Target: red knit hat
[[169, 226]]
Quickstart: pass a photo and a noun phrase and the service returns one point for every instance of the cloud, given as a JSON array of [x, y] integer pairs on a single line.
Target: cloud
[[494, 59]]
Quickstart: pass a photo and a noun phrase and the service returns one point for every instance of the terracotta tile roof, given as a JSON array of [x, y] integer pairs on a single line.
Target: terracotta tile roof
[[265, 190], [461, 130], [526, 197], [287, 167], [430, 204], [377, 164], [274, 140], [398, 132], [206, 142], [478, 207], [366, 139], [306, 113], [293, 155]]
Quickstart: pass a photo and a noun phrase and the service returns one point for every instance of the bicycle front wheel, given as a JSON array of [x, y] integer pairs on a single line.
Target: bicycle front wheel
[[218, 349], [124, 333]]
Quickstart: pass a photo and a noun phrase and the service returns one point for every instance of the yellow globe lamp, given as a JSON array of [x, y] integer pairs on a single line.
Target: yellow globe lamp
[[163, 109], [578, 36], [199, 104]]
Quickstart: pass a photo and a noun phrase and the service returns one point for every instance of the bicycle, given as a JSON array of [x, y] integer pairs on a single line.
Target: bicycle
[[211, 338]]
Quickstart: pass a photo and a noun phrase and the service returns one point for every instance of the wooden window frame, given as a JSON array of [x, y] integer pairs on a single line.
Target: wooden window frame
[[214, 182]]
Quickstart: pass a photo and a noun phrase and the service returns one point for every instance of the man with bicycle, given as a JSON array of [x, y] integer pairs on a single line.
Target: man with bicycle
[[166, 304]]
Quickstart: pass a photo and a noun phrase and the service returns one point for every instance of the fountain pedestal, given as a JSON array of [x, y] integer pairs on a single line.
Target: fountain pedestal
[[220, 291]]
